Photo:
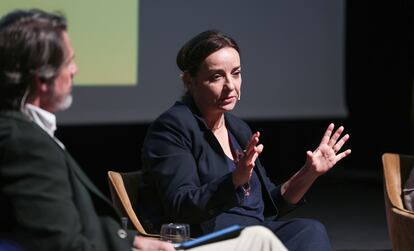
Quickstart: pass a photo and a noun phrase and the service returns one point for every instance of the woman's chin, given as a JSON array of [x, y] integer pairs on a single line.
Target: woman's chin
[[228, 107]]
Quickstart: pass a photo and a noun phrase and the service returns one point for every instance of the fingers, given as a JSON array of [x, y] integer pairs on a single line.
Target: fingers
[[253, 150], [332, 140], [246, 164], [343, 154], [327, 134], [335, 136], [254, 140], [145, 243], [251, 156], [257, 151], [340, 143]]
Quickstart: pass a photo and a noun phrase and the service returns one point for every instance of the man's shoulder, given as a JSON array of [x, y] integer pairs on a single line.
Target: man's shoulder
[[16, 121], [12, 122], [16, 128], [11, 116]]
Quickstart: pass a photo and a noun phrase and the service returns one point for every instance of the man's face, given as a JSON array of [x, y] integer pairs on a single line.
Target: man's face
[[59, 93]]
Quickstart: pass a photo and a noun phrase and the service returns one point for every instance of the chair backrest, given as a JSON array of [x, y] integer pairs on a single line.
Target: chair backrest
[[396, 169], [125, 191]]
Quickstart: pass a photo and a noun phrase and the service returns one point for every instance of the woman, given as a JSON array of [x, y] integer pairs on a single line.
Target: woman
[[204, 161]]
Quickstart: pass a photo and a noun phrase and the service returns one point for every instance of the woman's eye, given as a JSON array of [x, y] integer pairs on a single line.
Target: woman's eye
[[215, 77]]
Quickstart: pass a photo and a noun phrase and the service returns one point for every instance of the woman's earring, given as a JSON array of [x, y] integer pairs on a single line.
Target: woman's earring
[[238, 98]]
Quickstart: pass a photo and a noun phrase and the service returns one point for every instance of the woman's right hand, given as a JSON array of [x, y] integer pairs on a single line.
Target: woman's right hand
[[246, 163]]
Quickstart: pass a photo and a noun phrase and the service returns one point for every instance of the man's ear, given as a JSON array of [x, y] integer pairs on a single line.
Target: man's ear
[[37, 89], [40, 85]]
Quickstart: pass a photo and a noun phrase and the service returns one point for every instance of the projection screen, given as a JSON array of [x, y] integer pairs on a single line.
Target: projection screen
[[292, 55]]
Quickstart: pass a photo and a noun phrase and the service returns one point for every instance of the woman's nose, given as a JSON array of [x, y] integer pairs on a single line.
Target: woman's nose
[[230, 83]]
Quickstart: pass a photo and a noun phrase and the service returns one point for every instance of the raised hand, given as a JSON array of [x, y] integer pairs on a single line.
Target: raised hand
[[246, 161], [328, 152]]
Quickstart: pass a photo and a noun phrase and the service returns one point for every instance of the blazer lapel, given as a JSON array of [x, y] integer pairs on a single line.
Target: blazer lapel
[[239, 133], [243, 138], [189, 102]]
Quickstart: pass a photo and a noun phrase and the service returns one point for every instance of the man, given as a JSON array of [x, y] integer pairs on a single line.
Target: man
[[48, 203]]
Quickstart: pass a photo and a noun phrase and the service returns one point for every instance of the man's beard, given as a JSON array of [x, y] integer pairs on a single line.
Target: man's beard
[[65, 103]]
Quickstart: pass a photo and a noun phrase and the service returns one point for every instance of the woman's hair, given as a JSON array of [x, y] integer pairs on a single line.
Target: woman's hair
[[192, 54], [31, 44]]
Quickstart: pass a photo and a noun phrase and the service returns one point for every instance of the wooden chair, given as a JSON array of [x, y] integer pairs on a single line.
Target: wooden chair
[[400, 221], [125, 193]]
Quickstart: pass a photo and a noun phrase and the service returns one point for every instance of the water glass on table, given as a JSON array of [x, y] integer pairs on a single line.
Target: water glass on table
[[175, 232]]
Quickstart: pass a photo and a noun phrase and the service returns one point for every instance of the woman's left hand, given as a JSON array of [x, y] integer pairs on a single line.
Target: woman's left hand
[[328, 152]]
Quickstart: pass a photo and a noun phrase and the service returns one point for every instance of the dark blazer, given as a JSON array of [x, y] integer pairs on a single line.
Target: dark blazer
[[47, 202], [189, 168]]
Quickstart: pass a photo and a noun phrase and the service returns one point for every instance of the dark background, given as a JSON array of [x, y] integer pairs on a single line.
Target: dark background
[[378, 77]]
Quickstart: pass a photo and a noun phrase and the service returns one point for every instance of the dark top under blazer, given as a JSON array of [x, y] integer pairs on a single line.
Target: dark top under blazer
[[189, 168], [47, 202]]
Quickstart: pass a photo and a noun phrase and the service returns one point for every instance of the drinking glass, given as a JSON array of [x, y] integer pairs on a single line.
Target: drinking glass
[[175, 232]]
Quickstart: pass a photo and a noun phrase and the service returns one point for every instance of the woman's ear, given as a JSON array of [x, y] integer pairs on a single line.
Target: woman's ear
[[187, 79]]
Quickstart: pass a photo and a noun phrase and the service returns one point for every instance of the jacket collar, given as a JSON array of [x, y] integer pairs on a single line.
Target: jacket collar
[[233, 124]]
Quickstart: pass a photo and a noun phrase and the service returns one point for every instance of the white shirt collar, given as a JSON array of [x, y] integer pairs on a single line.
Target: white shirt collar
[[44, 119]]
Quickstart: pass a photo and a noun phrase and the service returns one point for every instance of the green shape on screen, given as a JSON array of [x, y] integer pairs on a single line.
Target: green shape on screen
[[104, 34]]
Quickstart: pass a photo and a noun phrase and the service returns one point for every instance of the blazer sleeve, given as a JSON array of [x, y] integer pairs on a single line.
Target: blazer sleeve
[[168, 156], [283, 207], [34, 179]]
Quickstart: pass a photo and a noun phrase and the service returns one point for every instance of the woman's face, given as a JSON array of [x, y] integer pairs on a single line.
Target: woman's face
[[216, 86]]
